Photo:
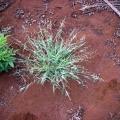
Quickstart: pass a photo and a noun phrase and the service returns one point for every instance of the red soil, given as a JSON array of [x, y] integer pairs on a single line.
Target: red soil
[[39, 102]]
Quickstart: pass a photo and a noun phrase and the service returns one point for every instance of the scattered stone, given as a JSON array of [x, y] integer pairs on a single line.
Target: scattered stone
[[2, 102], [75, 14], [20, 13], [113, 54], [76, 114], [29, 20], [26, 16], [111, 43], [118, 31]]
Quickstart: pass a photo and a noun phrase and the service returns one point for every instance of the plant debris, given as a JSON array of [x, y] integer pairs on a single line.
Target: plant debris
[[4, 4], [7, 30], [112, 7], [97, 5], [114, 116]]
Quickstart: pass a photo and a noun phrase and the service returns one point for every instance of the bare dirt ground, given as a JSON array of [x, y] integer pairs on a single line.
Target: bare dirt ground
[[97, 101]]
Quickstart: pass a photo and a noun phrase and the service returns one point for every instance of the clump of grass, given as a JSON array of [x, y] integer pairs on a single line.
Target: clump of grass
[[57, 60], [6, 55]]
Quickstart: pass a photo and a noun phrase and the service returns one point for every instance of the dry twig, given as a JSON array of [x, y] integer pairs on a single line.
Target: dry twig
[[112, 7]]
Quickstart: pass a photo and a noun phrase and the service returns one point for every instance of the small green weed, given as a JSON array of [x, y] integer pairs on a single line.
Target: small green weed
[[57, 60], [6, 55]]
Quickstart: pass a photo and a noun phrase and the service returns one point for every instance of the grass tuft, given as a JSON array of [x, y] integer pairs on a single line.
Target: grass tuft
[[54, 59]]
